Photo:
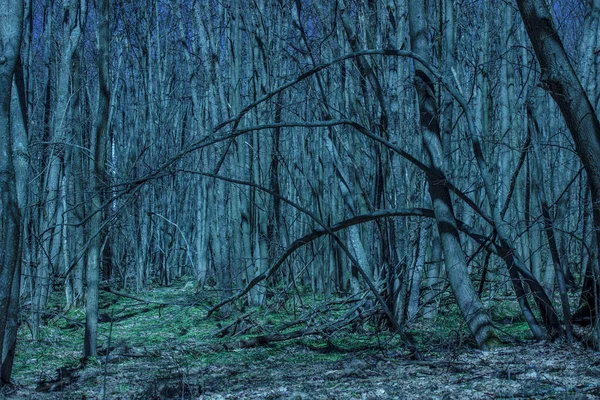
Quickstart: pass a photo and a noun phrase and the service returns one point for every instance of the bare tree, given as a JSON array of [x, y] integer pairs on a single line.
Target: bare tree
[[476, 316], [562, 82], [11, 25], [98, 175]]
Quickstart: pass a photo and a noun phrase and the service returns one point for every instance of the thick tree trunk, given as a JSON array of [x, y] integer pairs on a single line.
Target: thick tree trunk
[[11, 24], [20, 157], [476, 316], [563, 84]]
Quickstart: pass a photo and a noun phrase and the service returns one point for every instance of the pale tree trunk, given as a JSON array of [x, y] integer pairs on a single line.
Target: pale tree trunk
[[240, 207], [260, 150], [202, 231], [278, 234], [98, 175], [549, 226], [563, 84], [514, 172], [505, 102], [214, 104], [589, 56], [74, 14], [418, 270], [400, 176], [347, 191], [447, 59], [203, 187], [27, 52], [45, 214], [11, 25], [434, 282], [476, 316], [533, 235], [77, 159]]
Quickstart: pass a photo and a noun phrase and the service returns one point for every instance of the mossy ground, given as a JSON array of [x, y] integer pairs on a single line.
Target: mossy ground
[[159, 351]]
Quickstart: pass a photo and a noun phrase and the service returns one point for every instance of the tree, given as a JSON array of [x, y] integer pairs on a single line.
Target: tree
[[11, 25], [58, 129], [98, 174], [476, 316], [562, 82], [225, 132]]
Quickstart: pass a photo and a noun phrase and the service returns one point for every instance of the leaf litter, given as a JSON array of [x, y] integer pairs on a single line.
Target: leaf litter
[[160, 352]]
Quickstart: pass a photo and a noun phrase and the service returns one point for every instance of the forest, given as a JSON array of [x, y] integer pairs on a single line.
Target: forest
[[210, 199]]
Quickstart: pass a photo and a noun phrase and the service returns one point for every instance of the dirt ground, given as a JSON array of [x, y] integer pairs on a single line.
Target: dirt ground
[[533, 371]]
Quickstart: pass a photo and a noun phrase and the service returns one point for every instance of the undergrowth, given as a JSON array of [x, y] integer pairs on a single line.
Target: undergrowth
[[181, 336]]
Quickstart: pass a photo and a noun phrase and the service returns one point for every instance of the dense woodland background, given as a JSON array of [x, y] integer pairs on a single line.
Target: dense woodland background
[[376, 154]]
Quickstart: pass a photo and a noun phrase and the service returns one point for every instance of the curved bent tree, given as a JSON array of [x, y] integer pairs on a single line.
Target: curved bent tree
[[561, 81], [471, 307]]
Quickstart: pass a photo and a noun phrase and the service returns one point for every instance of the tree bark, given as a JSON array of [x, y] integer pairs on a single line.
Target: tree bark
[[98, 175], [561, 81], [477, 318], [11, 25], [549, 226]]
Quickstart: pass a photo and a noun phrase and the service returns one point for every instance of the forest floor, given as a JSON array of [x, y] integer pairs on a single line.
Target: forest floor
[[162, 352]]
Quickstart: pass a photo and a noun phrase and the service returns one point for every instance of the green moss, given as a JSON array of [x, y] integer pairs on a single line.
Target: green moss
[[182, 336], [492, 341]]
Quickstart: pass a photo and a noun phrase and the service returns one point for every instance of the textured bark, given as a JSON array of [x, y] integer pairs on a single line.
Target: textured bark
[[418, 269], [589, 56], [589, 66], [561, 81], [73, 13], [476, 316], [20, 156], [11, 23], [98, 176]]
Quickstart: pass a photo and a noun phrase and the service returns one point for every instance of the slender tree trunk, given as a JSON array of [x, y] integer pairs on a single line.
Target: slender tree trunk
[[98, 175], [418, 270], [434, 281], [549, 227]]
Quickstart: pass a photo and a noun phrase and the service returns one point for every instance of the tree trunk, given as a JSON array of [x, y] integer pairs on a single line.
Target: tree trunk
[[549, 226], [98, 175], [477, 318], [11, 24], [563, 84], [20, 157]]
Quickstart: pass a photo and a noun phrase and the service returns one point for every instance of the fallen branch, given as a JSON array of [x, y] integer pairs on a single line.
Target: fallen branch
[[317, 233], [146, 301], [262, 340], [233, 328], [355, 313]]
